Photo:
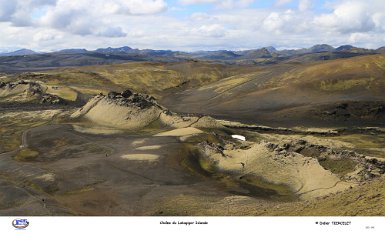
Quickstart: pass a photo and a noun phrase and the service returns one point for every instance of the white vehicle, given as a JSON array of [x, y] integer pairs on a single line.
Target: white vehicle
[[239, 137]]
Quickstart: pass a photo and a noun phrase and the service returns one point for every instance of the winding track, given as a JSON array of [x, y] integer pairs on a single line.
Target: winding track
[[36, 197]]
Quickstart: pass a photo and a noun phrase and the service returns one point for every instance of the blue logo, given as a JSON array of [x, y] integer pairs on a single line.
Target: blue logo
[[20, 223]]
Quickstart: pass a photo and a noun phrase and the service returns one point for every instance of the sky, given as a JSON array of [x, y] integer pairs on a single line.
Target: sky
[[190, 25]]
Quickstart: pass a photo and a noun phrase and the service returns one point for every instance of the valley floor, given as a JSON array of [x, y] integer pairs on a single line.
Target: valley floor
[[157, 138], [74, 168]]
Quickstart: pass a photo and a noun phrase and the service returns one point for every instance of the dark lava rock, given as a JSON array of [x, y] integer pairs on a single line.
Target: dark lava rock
[[217, 148], [343, 106], [297, 148], [271, 146], [301, 142], [142, 101], [348, 153], [112, 95], [35, 89], [127, 93], [286, 146], [127, 98], [377, 110], [368, 176], [167, 112], [321, 158], [22, 82], [354, 111], [51, 99], [151, 98]]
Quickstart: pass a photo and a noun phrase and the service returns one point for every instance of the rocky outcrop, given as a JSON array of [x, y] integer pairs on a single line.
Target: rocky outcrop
[[51, 99], [309, 170], [130, 110], [209, 148], [366, 168], [27, 91], [128, 98], [268, 164], [354, 110]]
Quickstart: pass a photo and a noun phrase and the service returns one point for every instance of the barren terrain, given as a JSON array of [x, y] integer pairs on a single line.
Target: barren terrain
[[157, 138]]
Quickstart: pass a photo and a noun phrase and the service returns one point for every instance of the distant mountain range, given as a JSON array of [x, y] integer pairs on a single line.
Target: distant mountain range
[[218, 54], [25, 59], [20, 52]]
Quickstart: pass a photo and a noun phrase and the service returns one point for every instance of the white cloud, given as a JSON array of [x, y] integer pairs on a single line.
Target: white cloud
[[59, 24], [305, 5], [350, 17], [44, 35], [63, 13], [142, 7], [79, 17], [7, 9], [18, 12], [366, 40], [282, 2], [219, 3], [111, 32], [201, 16], [213, 30], [187, 2], [288, 22]]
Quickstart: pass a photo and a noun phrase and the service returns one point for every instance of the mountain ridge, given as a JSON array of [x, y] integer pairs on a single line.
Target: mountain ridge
[[270, 49], [28, 60]]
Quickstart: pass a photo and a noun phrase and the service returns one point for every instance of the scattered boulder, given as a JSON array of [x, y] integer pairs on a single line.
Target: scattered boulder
[[209, 148], [127, 98], [343, 106], [112, 95], [357, 110], [51, 99], [271, 146], [371, 167], [35, 89], [22, 82], [127, 93], [300, 142]]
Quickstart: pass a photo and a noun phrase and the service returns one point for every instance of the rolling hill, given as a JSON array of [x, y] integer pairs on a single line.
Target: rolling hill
[[152, 78], [341, 91], [135, 132]]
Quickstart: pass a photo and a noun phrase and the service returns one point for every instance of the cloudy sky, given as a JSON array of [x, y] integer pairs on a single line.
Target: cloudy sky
[[189, 25]]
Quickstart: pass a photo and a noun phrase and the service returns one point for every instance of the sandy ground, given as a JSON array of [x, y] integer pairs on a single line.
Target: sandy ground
[[177, 121], [96, 130], [303, 175], [42, 115], [47, 177], [150, 147], [64, 92], [335, 143], [141, 157], [103, 111], [85, 174], [181, 132], [20, 89], [98, 167]]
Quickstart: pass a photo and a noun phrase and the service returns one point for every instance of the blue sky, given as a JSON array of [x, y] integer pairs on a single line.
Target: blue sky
[[184, 11], [318, 5], [189, 25]]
